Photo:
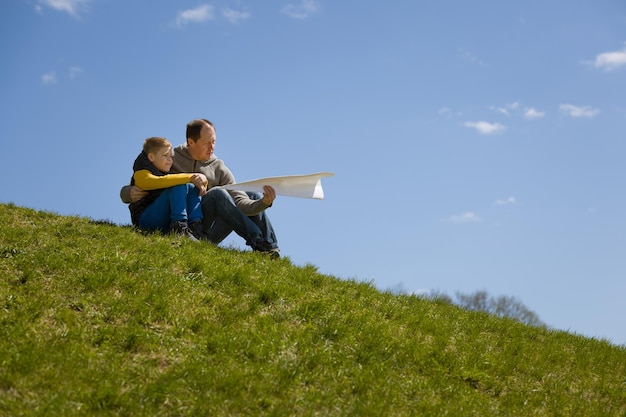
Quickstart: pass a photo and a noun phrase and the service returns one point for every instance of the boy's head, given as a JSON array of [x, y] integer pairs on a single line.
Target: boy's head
[[159, 151]]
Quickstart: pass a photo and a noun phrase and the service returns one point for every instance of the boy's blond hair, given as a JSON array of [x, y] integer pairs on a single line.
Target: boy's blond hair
[[153, 144]]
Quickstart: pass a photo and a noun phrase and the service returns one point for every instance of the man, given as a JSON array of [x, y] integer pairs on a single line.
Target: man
[[223, 211]]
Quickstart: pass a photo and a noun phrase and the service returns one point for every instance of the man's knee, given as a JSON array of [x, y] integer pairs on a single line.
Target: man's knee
[[216, 195]]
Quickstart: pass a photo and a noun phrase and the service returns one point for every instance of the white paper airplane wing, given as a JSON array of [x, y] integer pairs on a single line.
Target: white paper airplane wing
[[304, 186]]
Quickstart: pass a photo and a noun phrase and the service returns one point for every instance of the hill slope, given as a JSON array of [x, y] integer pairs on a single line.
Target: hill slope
[[97, 319]]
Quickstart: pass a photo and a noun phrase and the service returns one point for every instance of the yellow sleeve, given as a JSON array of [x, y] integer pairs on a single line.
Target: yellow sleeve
[[145, 180]]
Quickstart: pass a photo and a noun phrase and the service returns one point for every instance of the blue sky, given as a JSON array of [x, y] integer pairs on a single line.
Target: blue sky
[[476, 145]]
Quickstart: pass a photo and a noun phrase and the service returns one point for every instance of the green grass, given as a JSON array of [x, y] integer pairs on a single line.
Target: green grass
[[98, 319]]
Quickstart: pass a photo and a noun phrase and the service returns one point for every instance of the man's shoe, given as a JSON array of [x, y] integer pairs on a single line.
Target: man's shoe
[[196, 230], [265, 247], [181, 227]]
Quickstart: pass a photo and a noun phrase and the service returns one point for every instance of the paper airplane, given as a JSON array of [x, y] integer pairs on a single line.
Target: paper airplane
[[304, 186]]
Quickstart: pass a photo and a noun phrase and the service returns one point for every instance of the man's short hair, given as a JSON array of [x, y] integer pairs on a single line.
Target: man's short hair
[[195, 127], [153, 144]]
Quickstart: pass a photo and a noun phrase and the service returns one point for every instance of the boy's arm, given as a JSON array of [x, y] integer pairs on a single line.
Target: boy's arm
[[146, 180]]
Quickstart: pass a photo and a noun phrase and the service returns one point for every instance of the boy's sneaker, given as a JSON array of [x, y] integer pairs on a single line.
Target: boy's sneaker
[[181, 227], [196, 230]]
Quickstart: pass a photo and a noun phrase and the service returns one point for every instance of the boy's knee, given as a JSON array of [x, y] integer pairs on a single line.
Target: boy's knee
[[191, 189], [180, 188]]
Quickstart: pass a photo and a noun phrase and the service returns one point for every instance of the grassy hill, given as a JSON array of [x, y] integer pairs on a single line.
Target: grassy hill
[[97, 319]]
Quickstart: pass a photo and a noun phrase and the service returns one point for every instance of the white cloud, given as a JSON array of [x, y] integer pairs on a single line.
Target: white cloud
[[467, 217], [578, 111], [75, 72], [502, 110], [532, 113], [506, 110], [506, 201], [73, 7], [49, 78], [301, 10], [486, 128], [234, 16], [609, 61], [513, 106], [470, 57], [200, 14]]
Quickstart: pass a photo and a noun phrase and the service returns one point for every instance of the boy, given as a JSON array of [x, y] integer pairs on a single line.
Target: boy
[[173, 200]]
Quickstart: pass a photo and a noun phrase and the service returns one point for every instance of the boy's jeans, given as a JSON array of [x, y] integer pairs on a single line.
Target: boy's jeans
[[221, 216], [181, 202]]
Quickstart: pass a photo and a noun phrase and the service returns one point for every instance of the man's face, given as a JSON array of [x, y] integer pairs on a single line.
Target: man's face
[[202, 149]]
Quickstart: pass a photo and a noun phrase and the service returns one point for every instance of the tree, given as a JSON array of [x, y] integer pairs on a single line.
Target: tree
[[502, 306]]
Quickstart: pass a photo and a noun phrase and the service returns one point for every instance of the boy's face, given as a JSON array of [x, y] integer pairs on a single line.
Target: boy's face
[[162, 159]]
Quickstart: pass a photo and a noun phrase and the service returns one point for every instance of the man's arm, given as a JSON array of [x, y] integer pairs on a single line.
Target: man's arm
[[132, 193], [269, 195], [251, 207], [125, 194]]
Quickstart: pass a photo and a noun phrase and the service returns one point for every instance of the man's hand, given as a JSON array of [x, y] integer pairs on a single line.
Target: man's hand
[[137, 194], [269, 195], [200, 182]]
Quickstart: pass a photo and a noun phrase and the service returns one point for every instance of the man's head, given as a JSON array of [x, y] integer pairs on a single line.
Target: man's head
[[200, 139], [159, 151]]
